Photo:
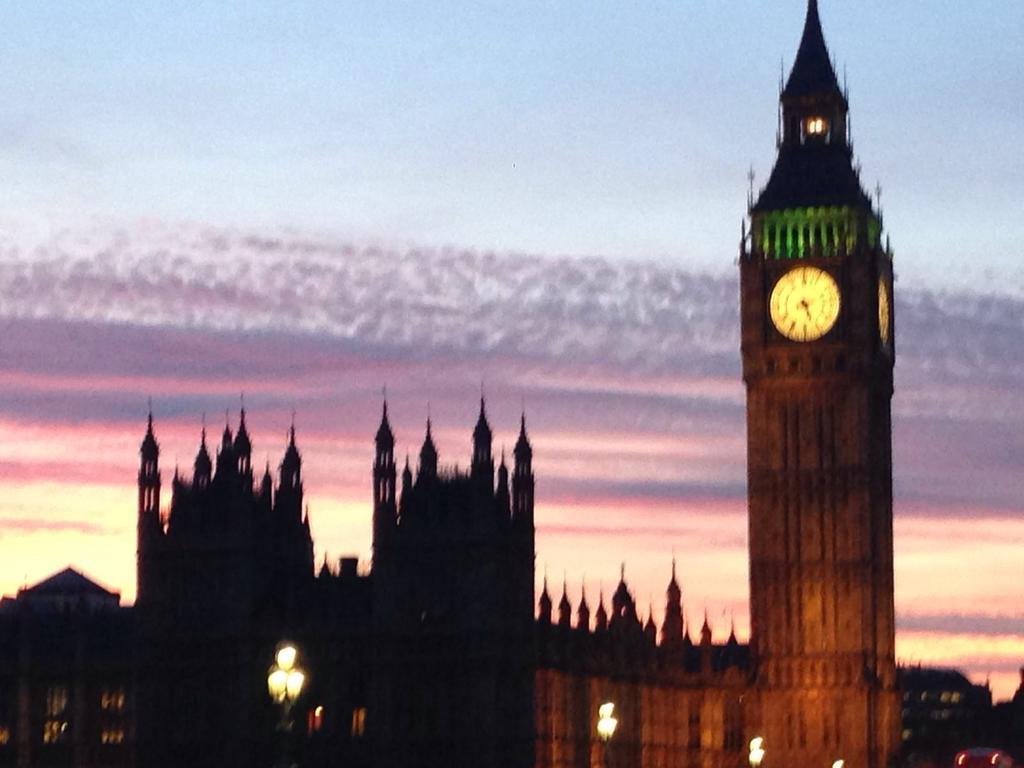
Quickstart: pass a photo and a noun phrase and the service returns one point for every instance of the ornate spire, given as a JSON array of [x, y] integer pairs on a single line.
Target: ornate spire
[[583, 612], [428, 454], [482, 429], [650, 628], [545, 604], [149, 449], [243, 445], [385, 437], [203, 465], [291, 464], [564, 606], [601, 617], [812, 73], [523, 449]]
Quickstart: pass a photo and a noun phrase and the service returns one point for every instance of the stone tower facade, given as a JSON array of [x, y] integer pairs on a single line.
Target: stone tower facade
[[818, 354]]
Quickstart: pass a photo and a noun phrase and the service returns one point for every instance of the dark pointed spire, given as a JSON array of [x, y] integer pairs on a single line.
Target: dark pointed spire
[[650, 628], [522, 449], [601, 617], [705, 631], [385, 437], [291, 464], [565, 607], [812, 73], [203, 465], [545, 604], [482, 429], [583, 612], [428, 454], [243, 446], [226, 438], [150, 450]]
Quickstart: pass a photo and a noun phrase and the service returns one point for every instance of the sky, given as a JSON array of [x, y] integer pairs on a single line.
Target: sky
[[306, 203]]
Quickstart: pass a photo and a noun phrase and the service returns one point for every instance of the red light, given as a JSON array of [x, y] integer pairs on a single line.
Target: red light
[[995, 758], [961, 758]]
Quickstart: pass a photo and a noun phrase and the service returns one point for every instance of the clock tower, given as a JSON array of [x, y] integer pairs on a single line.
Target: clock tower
[[818, 353]]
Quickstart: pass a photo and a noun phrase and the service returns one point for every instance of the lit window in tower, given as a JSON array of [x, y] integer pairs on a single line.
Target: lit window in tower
[[816, 126]]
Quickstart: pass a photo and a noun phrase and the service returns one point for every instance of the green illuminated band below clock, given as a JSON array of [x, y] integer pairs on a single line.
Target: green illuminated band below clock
[[804, 304]]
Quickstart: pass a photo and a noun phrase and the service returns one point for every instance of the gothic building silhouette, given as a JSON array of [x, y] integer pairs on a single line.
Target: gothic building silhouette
[[439, 655]]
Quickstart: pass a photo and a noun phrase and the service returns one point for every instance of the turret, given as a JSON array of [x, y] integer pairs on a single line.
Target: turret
[[545, 604], [601, 617], [502, 495], [482, 467], [291, 464], [565, 608], [650, 628], [406, 484], [384, 505], [203, 467], [428, 458], [583, 612], [623, 607], [672, 628], [289, 490], [243, 450], [705, 646], [149, 472], [149, 526], [267, 486], [226, 463], [522, 479]]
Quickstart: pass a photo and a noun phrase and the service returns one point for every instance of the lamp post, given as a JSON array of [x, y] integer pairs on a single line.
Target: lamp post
[[284, 682], [606, 724], [757, 752]]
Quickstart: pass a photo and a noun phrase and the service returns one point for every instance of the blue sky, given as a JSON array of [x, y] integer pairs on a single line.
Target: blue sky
[[610, 128]]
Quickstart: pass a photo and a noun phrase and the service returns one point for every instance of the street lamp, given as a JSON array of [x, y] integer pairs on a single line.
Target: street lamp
[[606, 724], [757, 752], [284, 682]]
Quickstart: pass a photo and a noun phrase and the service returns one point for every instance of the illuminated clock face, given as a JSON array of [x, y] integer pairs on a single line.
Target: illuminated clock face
[[805, 304], [884, 320]]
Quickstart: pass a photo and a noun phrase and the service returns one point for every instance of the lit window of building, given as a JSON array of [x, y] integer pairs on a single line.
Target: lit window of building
[[56, 728], [112, 736], [112, 700], [358, 722], [315, 720], [5, 735]]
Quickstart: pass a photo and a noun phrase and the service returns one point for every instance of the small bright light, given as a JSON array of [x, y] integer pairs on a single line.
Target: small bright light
[[756, 751], [296, 679], [816, 126], [286, 657], [839, 764], [318, 712], [607, 723], [277, 684]]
